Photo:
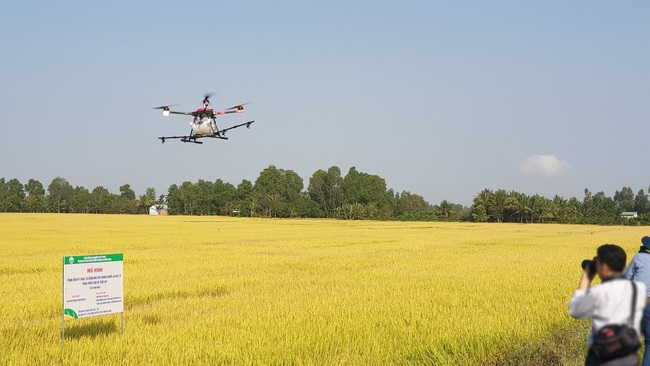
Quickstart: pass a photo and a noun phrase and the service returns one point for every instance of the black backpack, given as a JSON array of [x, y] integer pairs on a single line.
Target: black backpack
[[615, 340]]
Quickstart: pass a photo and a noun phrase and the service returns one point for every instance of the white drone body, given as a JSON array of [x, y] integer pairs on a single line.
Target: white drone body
[[204, 123]]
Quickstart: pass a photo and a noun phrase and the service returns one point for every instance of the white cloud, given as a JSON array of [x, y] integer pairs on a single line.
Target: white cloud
[[548, 165]]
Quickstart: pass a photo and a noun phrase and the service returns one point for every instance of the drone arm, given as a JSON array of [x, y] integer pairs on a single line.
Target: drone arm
[[191, 138], [229, 111], [236, 109], [247, 124], [166, 111]]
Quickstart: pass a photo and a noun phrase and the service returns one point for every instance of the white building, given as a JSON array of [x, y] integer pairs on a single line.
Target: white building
[[159, 210], [629, 215]]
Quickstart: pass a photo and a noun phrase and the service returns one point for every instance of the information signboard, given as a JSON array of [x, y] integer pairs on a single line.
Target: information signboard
[[92, 285]]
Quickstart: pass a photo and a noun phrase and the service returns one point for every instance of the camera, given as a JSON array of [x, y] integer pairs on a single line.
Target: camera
[[590, 266]]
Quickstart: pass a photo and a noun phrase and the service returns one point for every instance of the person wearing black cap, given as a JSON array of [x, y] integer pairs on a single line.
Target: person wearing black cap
[[639, 270]]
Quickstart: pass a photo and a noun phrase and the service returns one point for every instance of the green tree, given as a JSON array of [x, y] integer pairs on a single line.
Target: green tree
[[641, 203], [538, 208], [3, 194], [245, 201], [188, 198], [125, 202], [325, 189], [35, 198], [127, 192], [363, 188], [624, 199], [14, 195], [368, 190], [574, 209], [587, 204], [605, 211], [174, 201], [482, 205], [306, 207], [223, 195], [180, 199], [81, 200], [350, 211], [202, 198], [445, 209], [147, 200], [500, 203], [478, 213], [278, 191], [560, 209], [60, 194], [409, 203], [272, 204], [101, 200], [519, 205]]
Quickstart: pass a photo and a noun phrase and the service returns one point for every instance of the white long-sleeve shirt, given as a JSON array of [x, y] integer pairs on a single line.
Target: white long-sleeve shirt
[[608, 303]]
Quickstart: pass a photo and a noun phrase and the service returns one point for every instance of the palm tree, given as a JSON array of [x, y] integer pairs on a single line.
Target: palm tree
[[560, 208], [483, 203], [539, 208], [446, 209], [500, 203], [519, 204], [147, 200], [479, 214], [144, 202]]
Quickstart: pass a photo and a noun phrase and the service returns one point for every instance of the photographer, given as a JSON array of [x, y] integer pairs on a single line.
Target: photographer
[[609, 303], [639, 270]]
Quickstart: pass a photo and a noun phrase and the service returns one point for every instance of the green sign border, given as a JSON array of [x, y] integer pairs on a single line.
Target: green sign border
[[95, 258]]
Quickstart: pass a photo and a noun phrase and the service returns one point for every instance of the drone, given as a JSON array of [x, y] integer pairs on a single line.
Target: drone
[[204, 123]]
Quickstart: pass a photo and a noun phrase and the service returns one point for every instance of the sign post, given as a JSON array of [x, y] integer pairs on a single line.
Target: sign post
[[92, 285]]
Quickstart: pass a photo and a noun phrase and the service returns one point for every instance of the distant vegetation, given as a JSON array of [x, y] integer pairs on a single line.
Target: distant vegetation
[[357, 195]]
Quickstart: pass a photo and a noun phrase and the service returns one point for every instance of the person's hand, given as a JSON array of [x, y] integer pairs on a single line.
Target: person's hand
[[585, 281]]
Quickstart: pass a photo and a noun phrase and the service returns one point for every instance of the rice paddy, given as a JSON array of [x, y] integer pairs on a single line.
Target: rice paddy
[[242, 291]]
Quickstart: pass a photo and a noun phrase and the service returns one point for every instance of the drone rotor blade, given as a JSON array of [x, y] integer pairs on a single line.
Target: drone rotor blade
[[206, 97], [165, 107], [239, 106]]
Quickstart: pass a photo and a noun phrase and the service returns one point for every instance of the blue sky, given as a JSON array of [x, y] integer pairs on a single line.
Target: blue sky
[[442, 99]]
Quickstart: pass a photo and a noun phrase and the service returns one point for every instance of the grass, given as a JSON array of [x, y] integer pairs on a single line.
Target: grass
[[219, 290]]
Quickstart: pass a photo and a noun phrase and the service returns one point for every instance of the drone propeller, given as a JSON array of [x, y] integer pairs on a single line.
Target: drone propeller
[[165, 107], [238, 107], [206, 98]]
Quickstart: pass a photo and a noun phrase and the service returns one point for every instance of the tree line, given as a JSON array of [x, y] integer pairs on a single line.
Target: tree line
[[275, 193], [599, 209], [357, 195], [62, 197]]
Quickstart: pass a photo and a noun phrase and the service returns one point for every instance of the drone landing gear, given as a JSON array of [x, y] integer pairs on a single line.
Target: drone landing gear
[[219, 136], [192, 140]]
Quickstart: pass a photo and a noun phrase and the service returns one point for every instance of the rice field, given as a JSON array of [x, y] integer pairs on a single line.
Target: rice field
[[242, 291]]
